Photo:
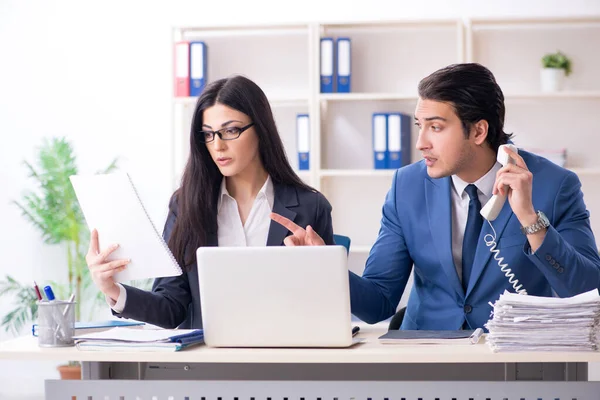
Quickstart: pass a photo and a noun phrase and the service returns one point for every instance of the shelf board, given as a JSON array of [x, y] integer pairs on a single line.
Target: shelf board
[[190, 33], [366, 96], [391, 24], [585, 171], [325, 173], [275, 101], [552, 22], [573, 94]]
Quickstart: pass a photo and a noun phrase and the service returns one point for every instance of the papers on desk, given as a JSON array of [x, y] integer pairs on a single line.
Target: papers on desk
[[526, 323], [431, 337], [131, 339]]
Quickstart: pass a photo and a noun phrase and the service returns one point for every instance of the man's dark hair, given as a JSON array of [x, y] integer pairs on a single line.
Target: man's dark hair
[[473, 92]]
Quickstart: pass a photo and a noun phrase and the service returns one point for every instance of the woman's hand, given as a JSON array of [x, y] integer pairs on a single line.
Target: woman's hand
[[102, 271], [300, 236]]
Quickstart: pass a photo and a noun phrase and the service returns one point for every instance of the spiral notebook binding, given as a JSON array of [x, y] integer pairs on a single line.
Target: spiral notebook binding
[[176, 265]]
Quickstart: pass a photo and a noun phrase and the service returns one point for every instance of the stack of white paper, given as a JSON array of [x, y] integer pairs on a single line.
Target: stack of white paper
[[524, 323]]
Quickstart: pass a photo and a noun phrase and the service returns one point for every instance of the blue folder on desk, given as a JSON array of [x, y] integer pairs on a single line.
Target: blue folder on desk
[[131, 339], [112, 323]]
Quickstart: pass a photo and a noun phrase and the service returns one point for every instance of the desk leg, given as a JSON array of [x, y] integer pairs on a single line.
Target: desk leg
[[546, 372], [113, 370], [95, 370]]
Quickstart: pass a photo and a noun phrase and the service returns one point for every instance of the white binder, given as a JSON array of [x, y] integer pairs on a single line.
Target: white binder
[[111, 205]]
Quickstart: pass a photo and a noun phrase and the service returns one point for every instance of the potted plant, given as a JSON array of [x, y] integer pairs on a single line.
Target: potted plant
[[555, 67], [54, 210]]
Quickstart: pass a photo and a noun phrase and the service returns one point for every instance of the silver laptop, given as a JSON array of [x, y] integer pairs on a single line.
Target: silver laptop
[[275, 296]]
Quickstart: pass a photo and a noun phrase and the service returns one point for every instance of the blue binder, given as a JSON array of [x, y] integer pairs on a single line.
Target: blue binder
[[197, 68], [380, 140], [303, 140], [398, 140], [343, 65], [327, 60]]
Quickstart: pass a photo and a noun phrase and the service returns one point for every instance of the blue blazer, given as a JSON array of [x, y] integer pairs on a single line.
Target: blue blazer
[[416, 231], [175, 301]]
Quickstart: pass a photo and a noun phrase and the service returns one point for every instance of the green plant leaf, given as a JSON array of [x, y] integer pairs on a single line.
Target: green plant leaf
[[26, 309], [52, 208], [557, 60]]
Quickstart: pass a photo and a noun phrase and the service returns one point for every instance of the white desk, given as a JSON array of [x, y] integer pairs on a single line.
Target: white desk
[[369, 361]]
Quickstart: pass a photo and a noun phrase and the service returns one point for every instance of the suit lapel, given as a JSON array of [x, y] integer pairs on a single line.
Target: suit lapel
[[285, 198], [212, 239], [483, 253], [437, 196]]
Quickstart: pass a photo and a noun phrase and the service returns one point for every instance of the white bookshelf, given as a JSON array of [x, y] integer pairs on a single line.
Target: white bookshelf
[[330, 97], [512, 49], [332, 173], [564, 95], [388, 60], [275, 101]]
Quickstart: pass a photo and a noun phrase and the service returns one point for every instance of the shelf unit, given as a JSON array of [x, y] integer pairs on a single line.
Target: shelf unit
[[388, 60]]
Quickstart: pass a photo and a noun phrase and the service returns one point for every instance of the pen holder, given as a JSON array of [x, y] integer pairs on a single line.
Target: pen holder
[[56, 324]]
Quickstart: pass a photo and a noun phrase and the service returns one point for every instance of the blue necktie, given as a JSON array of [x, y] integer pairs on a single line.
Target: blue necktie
[[474, 223]]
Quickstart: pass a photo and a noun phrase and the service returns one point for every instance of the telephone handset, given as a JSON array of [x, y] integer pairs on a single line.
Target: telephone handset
[[490, 212], [493, 207]]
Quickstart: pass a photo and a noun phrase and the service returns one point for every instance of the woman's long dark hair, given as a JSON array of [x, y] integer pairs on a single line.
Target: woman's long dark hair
[[196, 199]]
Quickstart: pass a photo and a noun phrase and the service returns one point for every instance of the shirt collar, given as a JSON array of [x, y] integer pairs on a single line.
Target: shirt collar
[[485, 184], [267, 190]]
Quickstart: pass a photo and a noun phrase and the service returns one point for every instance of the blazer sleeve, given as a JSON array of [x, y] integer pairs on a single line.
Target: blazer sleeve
[[167, 304], [568, 256], [323, 225], [375, 296]]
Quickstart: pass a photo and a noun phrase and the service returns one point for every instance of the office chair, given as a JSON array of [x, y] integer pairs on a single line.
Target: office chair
[[343, 241], [396, 320]]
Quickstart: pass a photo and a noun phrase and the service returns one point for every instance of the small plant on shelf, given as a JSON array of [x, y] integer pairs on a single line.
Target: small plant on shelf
[[555, 67], [557, 61]]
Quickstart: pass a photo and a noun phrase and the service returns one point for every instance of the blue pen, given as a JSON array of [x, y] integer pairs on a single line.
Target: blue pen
[[49, 293]]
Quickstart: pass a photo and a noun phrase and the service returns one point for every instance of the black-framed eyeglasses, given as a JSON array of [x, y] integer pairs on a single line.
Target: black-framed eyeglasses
[[229, 133]]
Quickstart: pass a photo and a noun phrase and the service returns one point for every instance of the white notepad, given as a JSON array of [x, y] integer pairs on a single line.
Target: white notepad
[[111, 205]]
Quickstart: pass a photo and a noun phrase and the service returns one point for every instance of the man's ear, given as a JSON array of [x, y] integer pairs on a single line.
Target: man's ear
[[479, 131]]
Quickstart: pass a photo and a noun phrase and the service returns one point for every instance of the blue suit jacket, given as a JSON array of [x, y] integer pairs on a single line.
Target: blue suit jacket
[[416, 231], [175, 301]]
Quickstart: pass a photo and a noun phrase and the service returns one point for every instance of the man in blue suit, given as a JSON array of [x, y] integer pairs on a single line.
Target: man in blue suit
[[431, 220]]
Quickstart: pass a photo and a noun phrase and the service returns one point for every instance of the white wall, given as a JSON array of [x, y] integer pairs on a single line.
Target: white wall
[[99, 73]]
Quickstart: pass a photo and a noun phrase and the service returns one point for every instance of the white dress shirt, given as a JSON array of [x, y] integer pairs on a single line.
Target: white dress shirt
[[230, 230], [460, 209]]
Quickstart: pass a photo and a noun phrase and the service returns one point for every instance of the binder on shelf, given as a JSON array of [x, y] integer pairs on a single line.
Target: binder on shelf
[[398, 140], [343, 65], [197, 68], [380, 140], [182, 69], [303, 138], [327, 60]]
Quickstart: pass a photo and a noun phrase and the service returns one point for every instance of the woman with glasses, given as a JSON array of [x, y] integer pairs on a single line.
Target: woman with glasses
[[236, 176]]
